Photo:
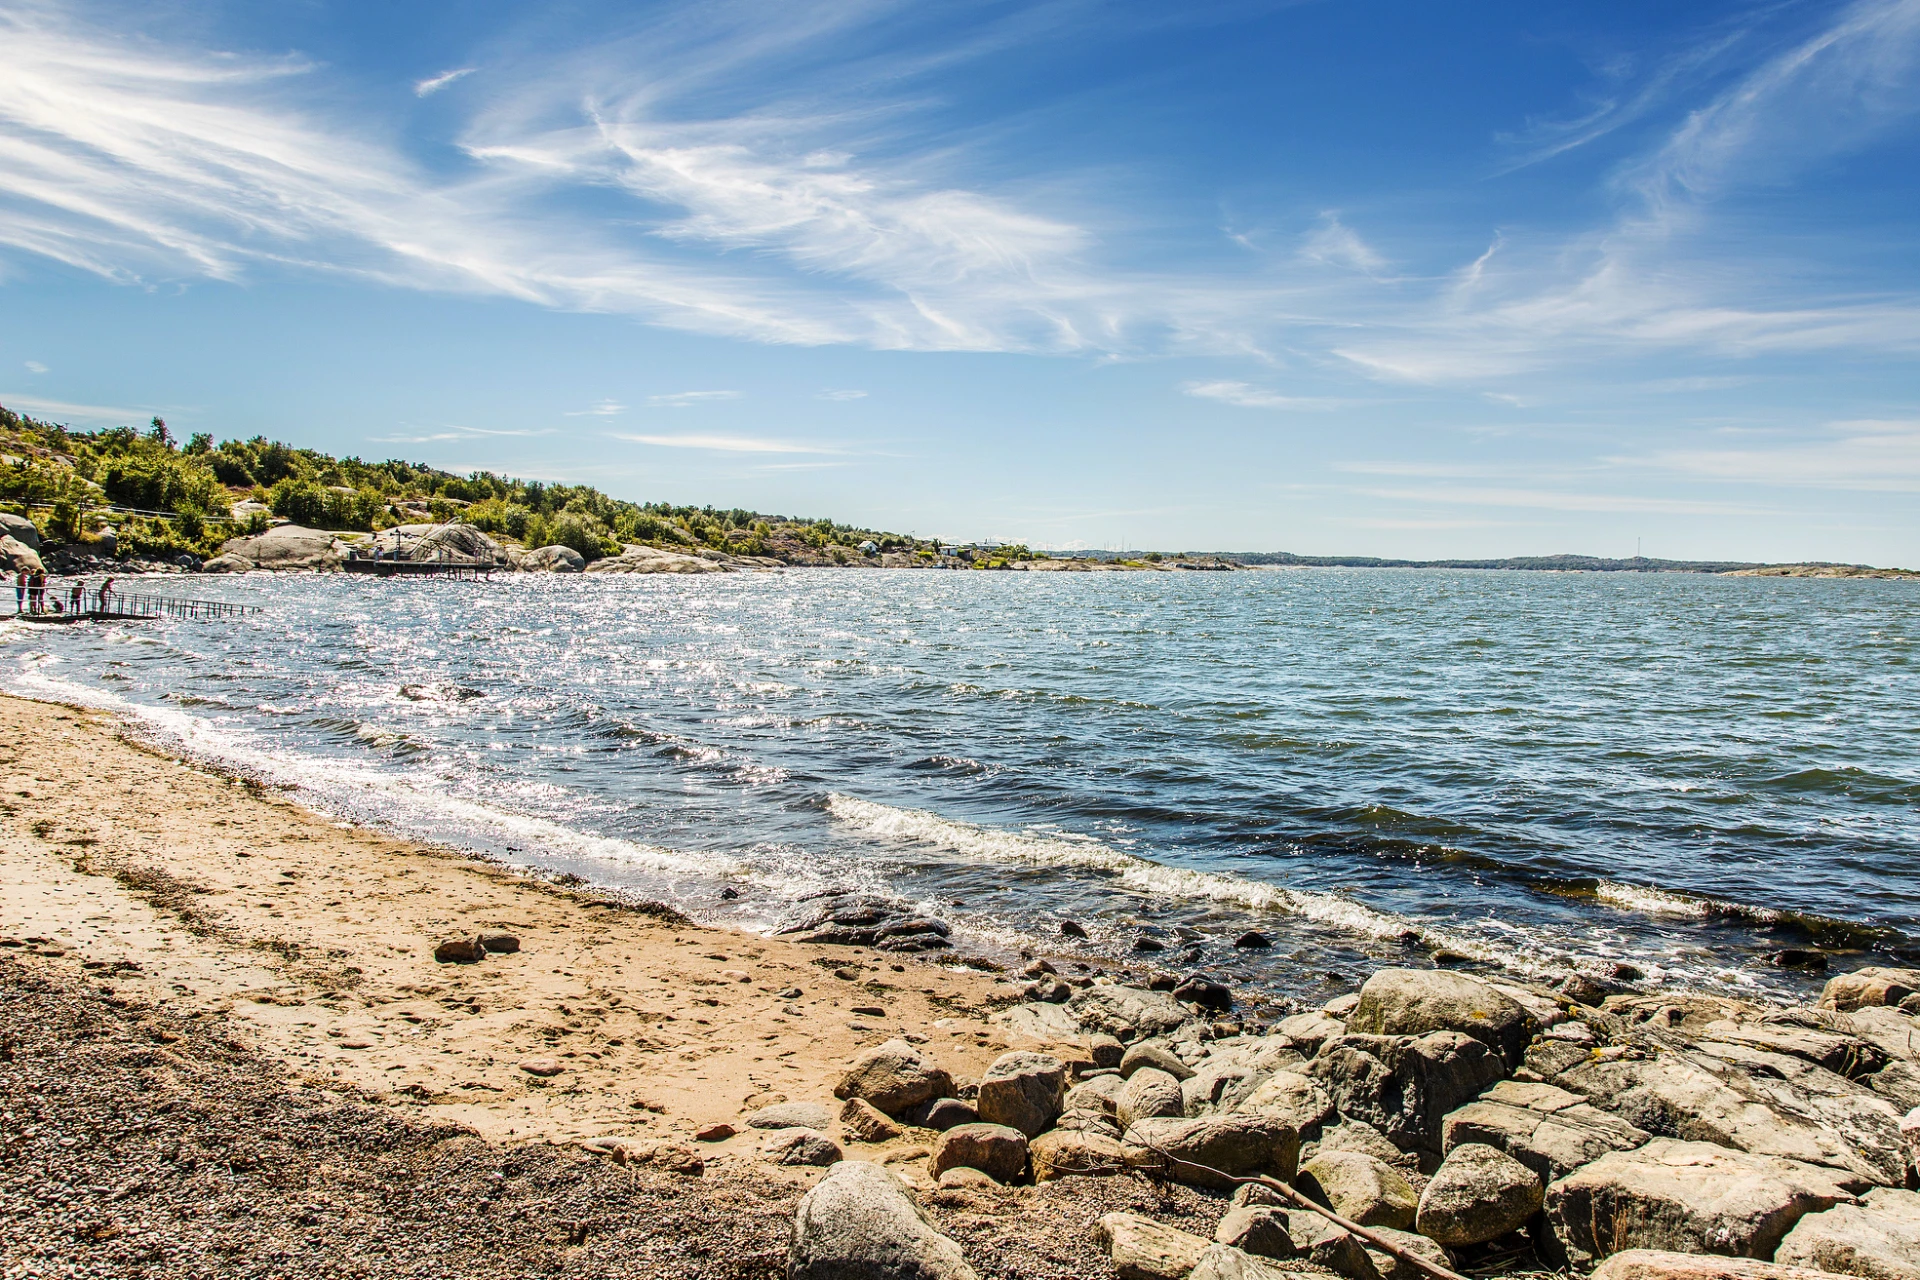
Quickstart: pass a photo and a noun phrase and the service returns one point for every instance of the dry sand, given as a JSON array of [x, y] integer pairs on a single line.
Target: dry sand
[[311, 941]]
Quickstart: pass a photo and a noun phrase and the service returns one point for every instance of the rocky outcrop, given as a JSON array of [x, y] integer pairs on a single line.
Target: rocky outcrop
[[1866, 987], [227, 564], [1549, 1130], [432, 541], [16, 556], [639, 559], [1878, 1240], [894, 1077], [551, 560], [993, 1149], [1127, 1013], [1689, 1197], [289, 546], [1142, 1249], [1476, 1195], [860, 1224], [1022, 1090], [1414, 1002], [20, 529]]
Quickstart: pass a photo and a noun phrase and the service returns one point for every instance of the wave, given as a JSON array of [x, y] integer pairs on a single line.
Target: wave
[[1679, 904]]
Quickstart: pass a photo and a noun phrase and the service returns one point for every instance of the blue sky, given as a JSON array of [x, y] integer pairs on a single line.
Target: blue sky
[[1389, 278]]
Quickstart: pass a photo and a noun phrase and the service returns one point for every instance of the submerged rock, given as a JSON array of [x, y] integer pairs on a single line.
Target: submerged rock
[[864, 920]]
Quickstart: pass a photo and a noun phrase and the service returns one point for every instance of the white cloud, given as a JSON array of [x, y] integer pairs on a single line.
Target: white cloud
[[599, 409], [434, 84], [726, 444], [34, 366], [687, 399], [1335, 244], [1247, 396], [1860, 455], [70, 414], [841, 395]]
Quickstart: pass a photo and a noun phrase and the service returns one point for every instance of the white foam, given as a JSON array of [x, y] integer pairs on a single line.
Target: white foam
[[1668, 902]]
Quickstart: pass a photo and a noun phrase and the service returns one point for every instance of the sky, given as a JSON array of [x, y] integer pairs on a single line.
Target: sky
[[1328, 276]]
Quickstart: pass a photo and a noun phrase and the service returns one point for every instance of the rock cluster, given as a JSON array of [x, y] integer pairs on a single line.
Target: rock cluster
[[864, 920]]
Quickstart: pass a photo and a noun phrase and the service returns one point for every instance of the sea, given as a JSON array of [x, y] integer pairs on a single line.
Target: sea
[[1667, 777]]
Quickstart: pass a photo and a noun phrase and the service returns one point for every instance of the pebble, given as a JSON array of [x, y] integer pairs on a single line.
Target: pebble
[[715, 1133], [1071, 929], [542, 1066], [869, 1011], [460, 951], [503, 944]]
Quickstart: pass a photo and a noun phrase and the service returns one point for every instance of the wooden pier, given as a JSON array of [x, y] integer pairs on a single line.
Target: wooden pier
[[120, 606], [459, 569]]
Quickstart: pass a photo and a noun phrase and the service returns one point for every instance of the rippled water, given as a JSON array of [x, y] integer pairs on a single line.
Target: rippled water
[[1679, 772]]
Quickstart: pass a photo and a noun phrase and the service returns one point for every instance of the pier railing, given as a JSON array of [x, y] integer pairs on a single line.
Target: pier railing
[[121, 604]]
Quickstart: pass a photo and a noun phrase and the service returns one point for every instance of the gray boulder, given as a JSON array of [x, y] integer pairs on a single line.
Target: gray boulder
[[639, 559], [802, 1147], [1405, 1086], [227, 564], [1656, 1264], [1689, 1197], [1326, 1245], [1022, 1090], [1149, 1092], [790, 1115], [1865, 987], [1355, 1135], [553, 560], [1879, 1240], [1292, 1097], [1198, 1152], [1142, 1249], [289, 546], [432, 541], [1549, 1130], [1257, 1229], [1391, 1266], [1098, 1093], [1154, 1053], [1310, 1030], [1414, 1002], [993, 1149], [1224, 1262], [1360, 1189], [1127, 1013], [20, 529], [894, 1077], [1478, 1194], [860, 1224], [16, 556], [1064, 1153]]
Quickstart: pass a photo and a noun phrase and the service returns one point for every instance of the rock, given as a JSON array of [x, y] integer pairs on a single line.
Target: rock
[[1142, 1249], [1837, 1051], [1360, 1188], [553, 560], [1105, 1050], [16, 557], [642, 559], [431, 541], [864, 1122], [1022, 1090], [1292, 1097], [1039, 1022], [1691, 1197], [994, 1149], [1310, 1030], [1549, 1130], [944, 1113], [714, 1133], [893, 1077], [1391, 1267], [1215, 997], [542, 1067], [1656, 1264], [860, 1224], [1414, 1002], [1326, 1245], [863, 920], [1357, 1135], [1257, 1229], [20, 529], [671, 1156], [1478, 1194], [1062, 1153], [1253, 940], [802, 1147], [1100, 1093], [962, 1178], [1146, 944], [1094, 1122], [1865, 987], [1128, 1012], [227, 564], [1404, 1086], [1157, 1054], [289, 546], [1799, 958], [1198, 1152], [460, 951], [1147, 1093], [1072, 929], [499, 944], [1879, 1240], [789, 1115], [1224, 1262]]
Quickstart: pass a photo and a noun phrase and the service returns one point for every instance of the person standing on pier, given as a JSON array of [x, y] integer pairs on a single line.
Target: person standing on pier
[[20, 592], [37, 592], [106, 589], [76, 595]]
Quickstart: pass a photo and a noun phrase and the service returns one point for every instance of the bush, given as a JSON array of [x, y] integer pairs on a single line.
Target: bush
[[585, 534], [491, 515]]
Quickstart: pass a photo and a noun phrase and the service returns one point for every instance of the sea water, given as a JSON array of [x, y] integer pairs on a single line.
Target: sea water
[[1680, 773]]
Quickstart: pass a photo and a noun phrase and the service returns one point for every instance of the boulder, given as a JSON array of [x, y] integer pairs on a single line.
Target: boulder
[[1414, 1002], [1142, 1249], [1127, 1013], [639, 559], [1690, 1197], [1105, 1050], [944, 1113], [790, 1115], [802, 1147], [1022, 1090], [1154, 1053], [1037, 1022], [1198, 1152], [893, 1077], [1292, 1097], [1355, 1135], [864, 1122], [860, 1224], [1405, 1086], [993, 1149], [1657, 1264], [227, 564], [1098, 1093], [1310, 1030], [1549, 1130], [1329, 1246], [1148, 1092], [553, 560], [1258, 1229], [1867, 987], [1360, 1188], [1063, 1153], [288, 546], [865, 920], [1478, 1194], [1389, 1266], [20, 529], [431, 541], [16, 557], [1879, 1240], [1224, 1262]]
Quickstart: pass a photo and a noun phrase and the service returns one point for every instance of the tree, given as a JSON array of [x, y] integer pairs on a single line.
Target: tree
[[159, 434]]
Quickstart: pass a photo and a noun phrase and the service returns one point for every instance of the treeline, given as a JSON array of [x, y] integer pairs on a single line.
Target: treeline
[[183, 494]]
